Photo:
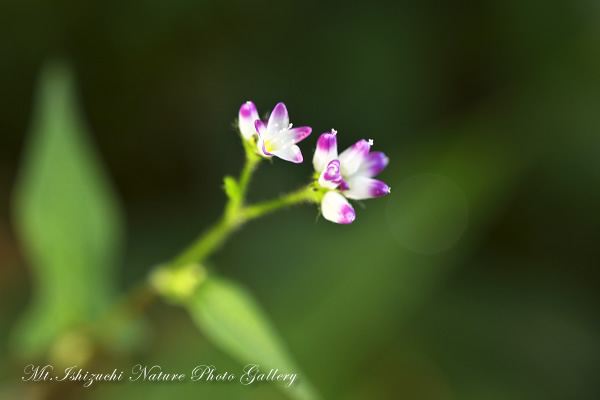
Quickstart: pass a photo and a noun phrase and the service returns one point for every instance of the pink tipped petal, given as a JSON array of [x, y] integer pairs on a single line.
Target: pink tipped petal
[[330, 177], [361, 187], [353, 157], [292, 154], [325, 152], [288, 137], [300, 133], [246, 117], [374, 163], [336, 208], [248, 109], [279, 118], [261, 129]]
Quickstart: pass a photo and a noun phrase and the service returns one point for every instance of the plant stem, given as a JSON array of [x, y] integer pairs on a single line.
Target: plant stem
[[252, 161], [237, 213], [305, 194], [212, 239], [205, 243]]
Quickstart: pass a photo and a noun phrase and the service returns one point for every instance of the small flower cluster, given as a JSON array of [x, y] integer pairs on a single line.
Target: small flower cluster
[[348, 175]]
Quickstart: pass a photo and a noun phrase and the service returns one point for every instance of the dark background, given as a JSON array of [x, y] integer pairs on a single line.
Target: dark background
[[476, 279]]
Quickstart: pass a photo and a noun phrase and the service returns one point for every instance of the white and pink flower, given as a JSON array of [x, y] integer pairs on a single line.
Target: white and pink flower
[[347, 176], [275, 138]]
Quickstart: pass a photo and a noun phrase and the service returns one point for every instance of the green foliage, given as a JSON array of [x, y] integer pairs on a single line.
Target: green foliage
[[232, 189], [231, 318], [66, 215]]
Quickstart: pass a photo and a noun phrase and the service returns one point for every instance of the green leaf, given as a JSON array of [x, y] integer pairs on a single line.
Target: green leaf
[[67, 217], [231, 318], [232, 189]]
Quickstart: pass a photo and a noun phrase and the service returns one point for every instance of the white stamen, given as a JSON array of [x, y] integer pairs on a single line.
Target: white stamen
[[290, 127], [333, 131], [389, 189], [370, 142]]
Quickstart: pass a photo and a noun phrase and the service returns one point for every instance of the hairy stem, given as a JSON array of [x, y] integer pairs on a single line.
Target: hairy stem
[[252, 161], [304, 195], [206, 243], [213, 238]]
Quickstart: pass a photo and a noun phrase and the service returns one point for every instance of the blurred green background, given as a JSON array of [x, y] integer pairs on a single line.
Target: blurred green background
[[476, 279]]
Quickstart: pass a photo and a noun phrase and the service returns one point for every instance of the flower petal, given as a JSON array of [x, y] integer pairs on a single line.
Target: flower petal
[[279, 119], [336, 208], [291, 153], [261, 129], [326, 150], [287, 137], [300, 133], [246, 117], [361, 187], [330, 177], [353, 157], [373, 164]]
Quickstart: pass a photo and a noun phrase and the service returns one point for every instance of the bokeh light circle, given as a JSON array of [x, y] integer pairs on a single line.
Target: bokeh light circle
[[427, 213]]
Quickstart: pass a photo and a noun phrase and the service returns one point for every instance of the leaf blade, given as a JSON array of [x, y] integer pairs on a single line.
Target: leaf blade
[[230, 317], [67, 217]]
